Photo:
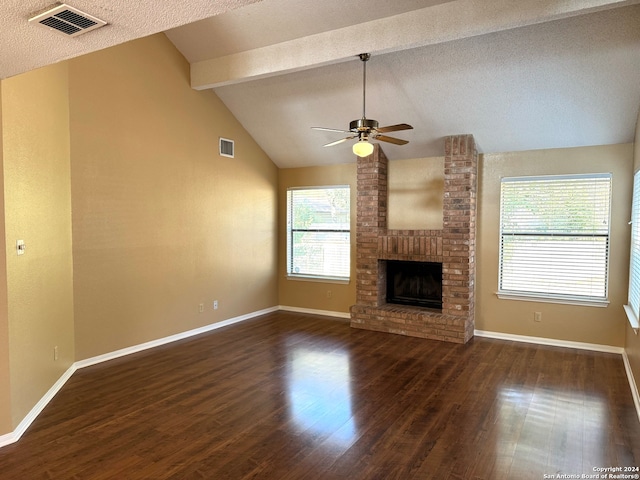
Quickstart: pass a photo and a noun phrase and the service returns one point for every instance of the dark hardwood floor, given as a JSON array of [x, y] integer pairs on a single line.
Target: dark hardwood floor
[[291, 396]]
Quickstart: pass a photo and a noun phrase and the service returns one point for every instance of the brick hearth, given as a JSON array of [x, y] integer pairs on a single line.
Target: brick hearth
[[453, 246]]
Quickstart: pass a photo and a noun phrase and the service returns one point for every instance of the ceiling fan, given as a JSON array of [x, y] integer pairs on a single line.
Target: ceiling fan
[[366, 129]]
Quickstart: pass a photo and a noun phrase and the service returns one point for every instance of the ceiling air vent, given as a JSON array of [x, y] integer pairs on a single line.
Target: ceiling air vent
[[67, 20], [226, 147]]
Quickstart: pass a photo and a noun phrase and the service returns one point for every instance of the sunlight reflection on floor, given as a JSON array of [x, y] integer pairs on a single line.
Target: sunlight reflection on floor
[[319, 393], [542, 423]]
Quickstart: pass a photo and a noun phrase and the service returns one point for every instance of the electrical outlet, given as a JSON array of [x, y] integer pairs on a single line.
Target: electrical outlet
[[537, 316], [201, 307], [215, 304], [55, 353], [329, 294]]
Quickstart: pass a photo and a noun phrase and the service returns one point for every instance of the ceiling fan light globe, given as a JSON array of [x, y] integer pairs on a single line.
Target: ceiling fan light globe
[[363, 148]]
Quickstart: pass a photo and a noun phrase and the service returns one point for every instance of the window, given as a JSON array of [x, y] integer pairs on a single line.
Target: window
[[318, 232], [633, 306], [554, 238]]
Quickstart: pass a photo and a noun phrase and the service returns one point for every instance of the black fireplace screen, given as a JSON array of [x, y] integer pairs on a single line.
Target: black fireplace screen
[[414, 283]]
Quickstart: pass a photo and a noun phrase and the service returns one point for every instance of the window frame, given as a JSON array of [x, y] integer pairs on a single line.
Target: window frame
[[305, 276], [550, 297], [632, 308]]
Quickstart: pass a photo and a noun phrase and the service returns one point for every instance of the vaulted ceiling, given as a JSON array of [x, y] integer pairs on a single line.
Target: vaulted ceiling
[[517, 75]]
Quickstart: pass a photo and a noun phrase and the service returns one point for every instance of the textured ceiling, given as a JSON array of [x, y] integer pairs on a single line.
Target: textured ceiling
[[24, 47], [275, 21], [517, 75], [567, 83]]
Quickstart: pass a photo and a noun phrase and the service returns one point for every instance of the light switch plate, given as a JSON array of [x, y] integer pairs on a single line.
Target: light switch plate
[[20, 247]]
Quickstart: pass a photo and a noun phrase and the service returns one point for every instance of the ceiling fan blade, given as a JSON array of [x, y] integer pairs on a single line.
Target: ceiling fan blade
[[397, 141], [331, 130], [394, 128], [339, 141]]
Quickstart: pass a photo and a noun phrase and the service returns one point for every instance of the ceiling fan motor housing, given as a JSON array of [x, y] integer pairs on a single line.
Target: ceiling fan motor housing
[[362, 125], [365, 128]]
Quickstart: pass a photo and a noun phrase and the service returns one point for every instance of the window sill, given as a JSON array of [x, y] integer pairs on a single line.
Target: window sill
[[311, 278], [552, 299], [633, 320]]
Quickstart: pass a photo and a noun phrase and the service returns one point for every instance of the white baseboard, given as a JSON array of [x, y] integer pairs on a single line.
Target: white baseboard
[[582, 346], [326, 313], [36, 410], [8, 439], [595, 347], [172, 338], [632, 383], [14, 436]]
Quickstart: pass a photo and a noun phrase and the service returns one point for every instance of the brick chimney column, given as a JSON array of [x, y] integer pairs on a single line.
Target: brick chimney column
[[371, 222], [459, 229]]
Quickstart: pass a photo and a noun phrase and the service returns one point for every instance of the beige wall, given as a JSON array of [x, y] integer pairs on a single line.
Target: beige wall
[[415, 202], [161, 222], [119, 143], [416, 194], [37, 199], [410, 209], [6, 423], [632, 340], [563, 322], [309, 294]]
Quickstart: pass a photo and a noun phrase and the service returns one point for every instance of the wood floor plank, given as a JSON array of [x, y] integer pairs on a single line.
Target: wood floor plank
[[293, 396]]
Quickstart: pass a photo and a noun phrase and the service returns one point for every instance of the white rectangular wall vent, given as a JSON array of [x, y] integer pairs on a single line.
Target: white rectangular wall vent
[[226, 147], [67, 20]]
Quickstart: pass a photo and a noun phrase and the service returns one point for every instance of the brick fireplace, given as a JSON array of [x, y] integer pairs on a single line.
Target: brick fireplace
[[453, 246]]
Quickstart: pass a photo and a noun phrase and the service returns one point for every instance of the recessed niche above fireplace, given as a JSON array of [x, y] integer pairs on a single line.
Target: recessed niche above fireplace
[[418, 284]]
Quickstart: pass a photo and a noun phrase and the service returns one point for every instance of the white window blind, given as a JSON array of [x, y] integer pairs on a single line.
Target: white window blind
[[318, 232], [555, 236], [633, 307]]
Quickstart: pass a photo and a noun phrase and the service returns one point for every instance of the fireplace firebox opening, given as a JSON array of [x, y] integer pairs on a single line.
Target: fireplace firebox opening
[[414, 283]]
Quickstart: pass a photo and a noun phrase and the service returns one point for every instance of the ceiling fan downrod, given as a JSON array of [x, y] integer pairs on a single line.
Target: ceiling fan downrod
[[363, 126], [365, 129], [365, 58]]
